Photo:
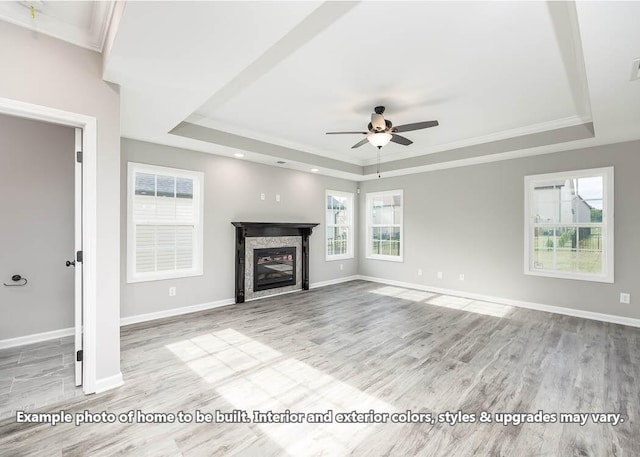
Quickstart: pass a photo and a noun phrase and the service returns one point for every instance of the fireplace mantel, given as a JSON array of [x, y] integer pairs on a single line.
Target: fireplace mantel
[[269, 229]]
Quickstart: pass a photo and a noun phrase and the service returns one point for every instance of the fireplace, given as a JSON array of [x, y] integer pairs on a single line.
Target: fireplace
[[274, 267], [271, 235]]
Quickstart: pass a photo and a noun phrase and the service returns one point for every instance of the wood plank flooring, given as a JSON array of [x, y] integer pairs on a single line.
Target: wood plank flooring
[[36, 375], [359, 346]]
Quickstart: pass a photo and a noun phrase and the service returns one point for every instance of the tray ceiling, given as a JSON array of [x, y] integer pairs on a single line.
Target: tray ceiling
[[504, 79]]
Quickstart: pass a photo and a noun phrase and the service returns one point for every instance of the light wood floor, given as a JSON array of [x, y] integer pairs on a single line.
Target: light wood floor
[[37, 375], [360, 346]]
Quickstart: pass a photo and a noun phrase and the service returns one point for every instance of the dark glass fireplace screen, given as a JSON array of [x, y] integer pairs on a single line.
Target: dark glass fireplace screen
[[274, 267]]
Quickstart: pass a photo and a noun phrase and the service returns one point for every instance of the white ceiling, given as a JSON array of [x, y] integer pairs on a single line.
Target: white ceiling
[[82, 23], [504, 79], [424, 61]]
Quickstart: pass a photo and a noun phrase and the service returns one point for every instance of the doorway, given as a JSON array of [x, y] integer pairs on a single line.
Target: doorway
[[88, 124], [41, 290]]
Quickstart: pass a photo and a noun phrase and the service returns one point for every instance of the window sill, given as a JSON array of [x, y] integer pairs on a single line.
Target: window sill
[[569, 275], [389, 258], [338, 257], [163, 277]]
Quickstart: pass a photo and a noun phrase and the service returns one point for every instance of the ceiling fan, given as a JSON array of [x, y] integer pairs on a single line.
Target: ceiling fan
[[381, 130]]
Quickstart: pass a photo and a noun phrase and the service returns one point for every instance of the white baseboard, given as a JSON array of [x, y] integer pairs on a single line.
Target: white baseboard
[[510, 302], [175, 312], [45, 336], [331, 282], [36, 338], [104, 384]]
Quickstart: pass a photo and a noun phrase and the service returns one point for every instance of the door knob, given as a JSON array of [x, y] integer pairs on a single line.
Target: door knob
[[71, 262]]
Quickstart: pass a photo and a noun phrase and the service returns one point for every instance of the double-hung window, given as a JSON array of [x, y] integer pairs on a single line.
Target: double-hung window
[[339, 222], [384, 225], [164, 223], [569, 225]]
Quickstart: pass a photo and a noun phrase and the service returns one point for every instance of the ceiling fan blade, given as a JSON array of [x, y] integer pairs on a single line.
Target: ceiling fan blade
[[400, 140], [345, 133], [360, 143], [416, 126]]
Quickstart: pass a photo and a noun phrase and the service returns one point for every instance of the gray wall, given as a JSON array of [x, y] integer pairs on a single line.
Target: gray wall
[[471, 220], [232, 193], [46, 71], [37, 228]]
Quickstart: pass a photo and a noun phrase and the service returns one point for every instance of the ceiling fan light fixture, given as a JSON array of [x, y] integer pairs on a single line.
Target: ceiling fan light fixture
[[379, 139]]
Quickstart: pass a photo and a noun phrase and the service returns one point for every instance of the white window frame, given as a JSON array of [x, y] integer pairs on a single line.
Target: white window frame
[[350, 239], [530, 182], [198, 196], [369, 226]]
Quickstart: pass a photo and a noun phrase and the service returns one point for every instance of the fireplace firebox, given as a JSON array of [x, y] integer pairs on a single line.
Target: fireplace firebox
[[274, 267]]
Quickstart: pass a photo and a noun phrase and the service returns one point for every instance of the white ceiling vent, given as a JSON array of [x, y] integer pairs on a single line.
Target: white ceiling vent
[[635, 69]]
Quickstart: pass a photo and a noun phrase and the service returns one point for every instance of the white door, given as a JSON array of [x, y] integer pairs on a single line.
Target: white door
[[78, 258]]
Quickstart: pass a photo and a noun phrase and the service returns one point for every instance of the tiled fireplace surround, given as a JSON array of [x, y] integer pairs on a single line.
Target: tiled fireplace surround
[[260, 242], [257, 235]]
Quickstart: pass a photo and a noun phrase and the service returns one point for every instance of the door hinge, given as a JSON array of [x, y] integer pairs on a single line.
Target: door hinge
[[79, 156], [79, 355], [79, 256]]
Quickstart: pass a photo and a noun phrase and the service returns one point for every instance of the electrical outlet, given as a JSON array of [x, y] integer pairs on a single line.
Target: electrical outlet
[[440, 275], [419, 271], [172, 291], [278, 197], [625, 298], [341, 266], [461, 276], [263, 196]]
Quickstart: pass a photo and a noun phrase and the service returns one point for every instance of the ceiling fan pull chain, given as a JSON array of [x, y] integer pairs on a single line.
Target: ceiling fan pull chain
[[378, 164]]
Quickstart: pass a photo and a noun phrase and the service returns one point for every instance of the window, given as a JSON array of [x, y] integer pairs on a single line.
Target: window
[[569, 225], [384, 225], [339, 220], [164, 223]]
